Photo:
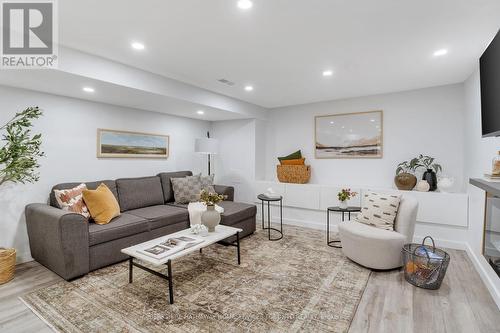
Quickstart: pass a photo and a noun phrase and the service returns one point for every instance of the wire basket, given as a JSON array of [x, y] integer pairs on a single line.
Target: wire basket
[[424, 265]]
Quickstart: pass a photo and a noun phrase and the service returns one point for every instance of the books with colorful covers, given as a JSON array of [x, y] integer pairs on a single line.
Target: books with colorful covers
[[171, 246]]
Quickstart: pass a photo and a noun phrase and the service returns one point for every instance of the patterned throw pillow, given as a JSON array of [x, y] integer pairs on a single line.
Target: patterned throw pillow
[[71, 200], [207, 183], [379, 210], [186, 189]]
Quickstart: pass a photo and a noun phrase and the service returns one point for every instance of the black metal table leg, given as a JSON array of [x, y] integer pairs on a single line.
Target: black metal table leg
[[328, 241], [130, 268], [170, 282], [268, 220], [238, 246], [262, 211]]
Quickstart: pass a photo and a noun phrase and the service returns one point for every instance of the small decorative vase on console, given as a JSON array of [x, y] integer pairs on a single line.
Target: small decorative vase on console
[[343, 204], [405, 181], [431, 178], [210, 218]]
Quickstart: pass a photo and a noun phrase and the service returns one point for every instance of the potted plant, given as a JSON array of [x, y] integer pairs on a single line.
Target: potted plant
[[211, 217], [405, 180], [430, 175], [345, 195], [18, 164]]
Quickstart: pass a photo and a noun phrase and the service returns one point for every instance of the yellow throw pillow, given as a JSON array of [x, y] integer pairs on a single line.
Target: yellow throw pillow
[[299, 161], [102, 204]]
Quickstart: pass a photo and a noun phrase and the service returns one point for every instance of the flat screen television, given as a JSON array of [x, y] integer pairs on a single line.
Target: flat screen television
[[489, 65]]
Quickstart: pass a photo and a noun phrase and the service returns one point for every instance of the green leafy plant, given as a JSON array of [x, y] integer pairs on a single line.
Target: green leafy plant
[[21, 151], [427, 162], [211, 199], [408, 166], [346, 194]]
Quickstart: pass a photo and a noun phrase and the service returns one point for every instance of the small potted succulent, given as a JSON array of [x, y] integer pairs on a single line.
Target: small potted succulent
[[405, 179], [344, 196], [211, 217], [432, 169]]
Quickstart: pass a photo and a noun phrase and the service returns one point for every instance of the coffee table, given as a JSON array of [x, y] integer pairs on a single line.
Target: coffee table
[[221, 232]]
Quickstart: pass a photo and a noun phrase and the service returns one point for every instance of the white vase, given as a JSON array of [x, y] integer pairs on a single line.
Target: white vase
[[210, 218], [423, 186], [343, 204]]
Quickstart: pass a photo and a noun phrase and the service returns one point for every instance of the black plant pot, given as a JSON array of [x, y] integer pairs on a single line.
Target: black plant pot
[[431, 178]]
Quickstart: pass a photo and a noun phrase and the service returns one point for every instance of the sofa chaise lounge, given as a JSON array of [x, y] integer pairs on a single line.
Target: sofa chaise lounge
[[71, 246]]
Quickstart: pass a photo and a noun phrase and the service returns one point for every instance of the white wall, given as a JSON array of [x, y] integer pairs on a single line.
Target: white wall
[[428, 121], [69, 141], [235, 163], [479, 153]]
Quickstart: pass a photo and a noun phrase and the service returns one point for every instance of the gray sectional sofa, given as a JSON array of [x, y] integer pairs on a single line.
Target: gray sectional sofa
[[71, 246]]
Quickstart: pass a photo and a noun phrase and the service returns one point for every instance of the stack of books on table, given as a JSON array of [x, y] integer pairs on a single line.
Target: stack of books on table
[[171, 246], [492, 177]]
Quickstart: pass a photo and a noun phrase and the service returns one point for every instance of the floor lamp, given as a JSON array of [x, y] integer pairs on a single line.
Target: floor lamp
[[207, 146]]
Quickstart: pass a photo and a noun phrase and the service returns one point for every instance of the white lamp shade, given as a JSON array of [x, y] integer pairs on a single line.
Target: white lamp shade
[[206, 146]]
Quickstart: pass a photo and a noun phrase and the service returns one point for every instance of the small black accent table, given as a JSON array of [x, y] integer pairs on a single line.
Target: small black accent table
[[264, 198], [347, 210]]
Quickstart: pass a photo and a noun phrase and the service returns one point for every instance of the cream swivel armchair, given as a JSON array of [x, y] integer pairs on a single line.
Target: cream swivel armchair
[[377, 248]]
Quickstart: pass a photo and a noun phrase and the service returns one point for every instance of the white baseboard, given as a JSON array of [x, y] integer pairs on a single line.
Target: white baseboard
[[301, 223], [22, 257], [485, 276]]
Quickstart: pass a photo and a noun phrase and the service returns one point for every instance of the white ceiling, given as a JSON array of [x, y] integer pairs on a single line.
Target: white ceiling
[[281, 47]]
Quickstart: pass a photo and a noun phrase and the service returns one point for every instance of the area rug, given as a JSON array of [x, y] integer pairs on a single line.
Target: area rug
[[296, 284]]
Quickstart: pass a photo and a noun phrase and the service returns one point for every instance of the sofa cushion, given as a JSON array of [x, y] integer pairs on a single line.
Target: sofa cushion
[[71, 200], [207, 183], [139, 192], [161, 215], [168, 192], [379, 210], [186, 189], [123, 226], [102, 204], [90, 185], [235, 212]]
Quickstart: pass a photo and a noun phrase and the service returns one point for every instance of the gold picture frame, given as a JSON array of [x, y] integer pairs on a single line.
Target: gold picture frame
[[126, 144], [349, 135]]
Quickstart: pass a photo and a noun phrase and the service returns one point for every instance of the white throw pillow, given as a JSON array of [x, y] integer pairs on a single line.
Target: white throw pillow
[[379, 210]]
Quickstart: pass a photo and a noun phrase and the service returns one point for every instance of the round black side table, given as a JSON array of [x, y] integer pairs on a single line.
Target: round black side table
[[347, 210], [267, 199]]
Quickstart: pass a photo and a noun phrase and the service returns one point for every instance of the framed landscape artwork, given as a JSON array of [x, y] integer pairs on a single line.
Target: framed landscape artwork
[[349, 135], [112, 143]]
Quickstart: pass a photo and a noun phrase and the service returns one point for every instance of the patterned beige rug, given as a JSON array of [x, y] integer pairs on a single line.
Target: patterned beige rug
[[296, 284]]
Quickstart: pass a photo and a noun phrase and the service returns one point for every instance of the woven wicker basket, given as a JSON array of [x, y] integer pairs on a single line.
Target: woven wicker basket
[[298, 174], [7, 264]]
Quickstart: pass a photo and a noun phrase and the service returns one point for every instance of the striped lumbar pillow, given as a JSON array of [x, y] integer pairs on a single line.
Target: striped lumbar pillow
[[379, 210]]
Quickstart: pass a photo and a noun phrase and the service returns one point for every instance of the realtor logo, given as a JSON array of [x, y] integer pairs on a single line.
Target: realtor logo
[[29, 34]]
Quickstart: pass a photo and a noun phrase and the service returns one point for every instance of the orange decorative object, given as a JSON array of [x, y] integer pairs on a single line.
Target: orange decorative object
[[299, 161]]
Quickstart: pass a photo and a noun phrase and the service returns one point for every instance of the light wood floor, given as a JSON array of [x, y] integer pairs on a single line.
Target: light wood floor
[[389, 303]]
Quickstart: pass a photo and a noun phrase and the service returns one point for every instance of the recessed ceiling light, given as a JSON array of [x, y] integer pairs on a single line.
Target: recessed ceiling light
[[441, 52], [327, 73], [138, 46], [245, 4], [200, 112], [88, 89], [248, 88], [372, 120], [331, 122]]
